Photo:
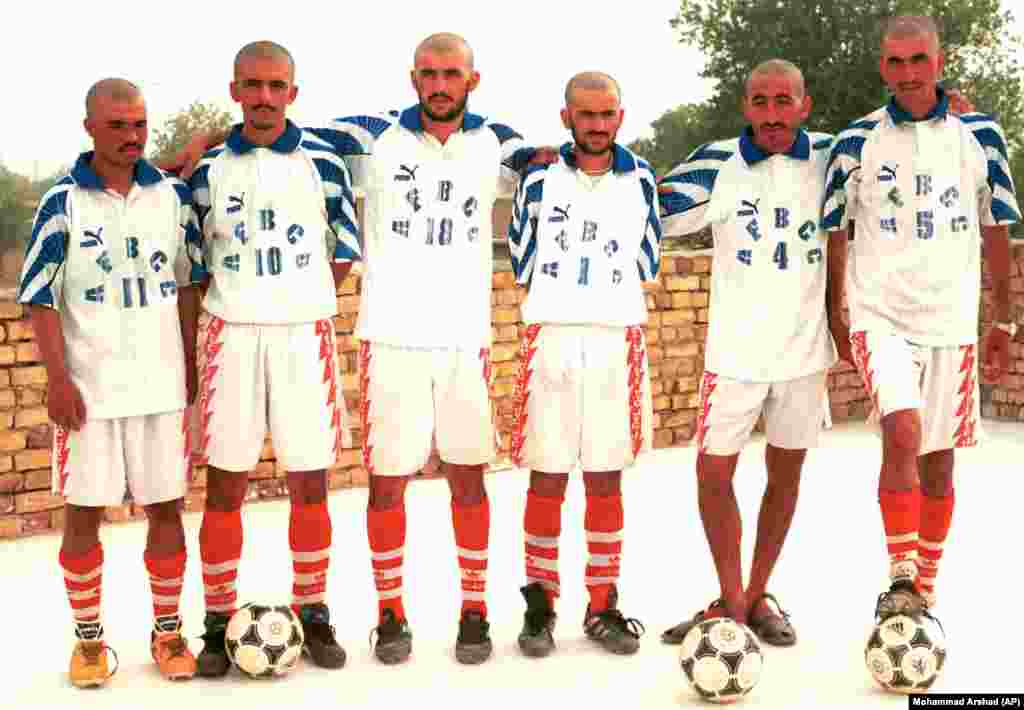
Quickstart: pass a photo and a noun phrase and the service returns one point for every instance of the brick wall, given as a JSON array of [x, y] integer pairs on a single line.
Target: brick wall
[[1006, 399], [676, 332]]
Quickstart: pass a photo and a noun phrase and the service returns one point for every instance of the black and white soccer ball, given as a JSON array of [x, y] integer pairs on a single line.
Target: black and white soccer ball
[[905, 654], [264, 641], [722, 659]]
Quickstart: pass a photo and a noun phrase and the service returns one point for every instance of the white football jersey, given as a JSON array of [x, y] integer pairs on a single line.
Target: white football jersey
[[111, 265], [427, 245], [266, 214], [918, 193], [584, 244], [767, 319]]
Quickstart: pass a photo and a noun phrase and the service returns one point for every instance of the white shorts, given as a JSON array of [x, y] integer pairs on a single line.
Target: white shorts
[[281, 378], [110, 461], [795, 411], [411, 398], [941, 382], [583, 396]]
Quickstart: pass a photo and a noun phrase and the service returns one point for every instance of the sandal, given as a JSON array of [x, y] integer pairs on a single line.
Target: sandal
[[677, 633], [773, 629]]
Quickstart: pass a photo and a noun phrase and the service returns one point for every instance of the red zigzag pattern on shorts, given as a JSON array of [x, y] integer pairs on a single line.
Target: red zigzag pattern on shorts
[[521, 394]]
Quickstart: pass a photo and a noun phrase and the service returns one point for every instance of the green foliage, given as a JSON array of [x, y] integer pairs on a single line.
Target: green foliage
[[180, 128], [835, 43], [17, 205]]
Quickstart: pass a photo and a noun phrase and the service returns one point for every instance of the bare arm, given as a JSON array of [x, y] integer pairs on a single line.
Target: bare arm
[[996, 354], [997, 252], [64, 401], [340, 269], [835, 292], [188, 316]]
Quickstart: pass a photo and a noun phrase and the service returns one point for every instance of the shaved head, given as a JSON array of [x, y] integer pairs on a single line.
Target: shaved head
[[592, 81], [907, 26], [265, 49], [119, 90], [442, 43], [779, 67]]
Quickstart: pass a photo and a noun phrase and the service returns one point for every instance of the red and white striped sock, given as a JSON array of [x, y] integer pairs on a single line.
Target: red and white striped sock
[[936, 518], [166, 577], [901, 516], [386, 531], [603, 521], [309, 536], [83, 577], [543, 525], [472, 524], [220, 546]]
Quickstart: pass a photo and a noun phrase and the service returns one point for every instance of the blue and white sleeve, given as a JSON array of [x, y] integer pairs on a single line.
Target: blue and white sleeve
[[650, 246], [522, 229], [684, 194], [41, 276]]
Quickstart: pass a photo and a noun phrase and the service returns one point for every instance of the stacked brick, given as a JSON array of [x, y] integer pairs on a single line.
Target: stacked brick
[[676, 332], [1006, 399]]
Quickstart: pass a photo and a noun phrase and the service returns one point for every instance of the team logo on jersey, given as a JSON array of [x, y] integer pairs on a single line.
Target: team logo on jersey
[[93, 238], [560, 214], [887, 173], [236, 203], [562, 240], [748, 209], [406, 174]]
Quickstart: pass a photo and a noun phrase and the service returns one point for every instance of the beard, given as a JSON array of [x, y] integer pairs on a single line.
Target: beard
[[587, 147], [449, 115]]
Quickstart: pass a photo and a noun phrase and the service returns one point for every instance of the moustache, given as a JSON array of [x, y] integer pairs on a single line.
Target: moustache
[[439, 96]]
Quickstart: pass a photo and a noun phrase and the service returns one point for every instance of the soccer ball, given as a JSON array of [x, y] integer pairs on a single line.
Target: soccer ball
[[264, 641], [905, 654], [722, 659]]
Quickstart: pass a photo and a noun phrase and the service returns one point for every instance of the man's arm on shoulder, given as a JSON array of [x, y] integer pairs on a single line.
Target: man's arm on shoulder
[[199, 186], [354, 138], [522, 228], [684, 193], [191, 276], [339, 200], [650, 246]]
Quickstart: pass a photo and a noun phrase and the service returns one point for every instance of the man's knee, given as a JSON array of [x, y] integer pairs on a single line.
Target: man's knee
[[548, 485], [387, 492], [307, 487], [225, 490], [466, 483], [602, 483], [901, 432]]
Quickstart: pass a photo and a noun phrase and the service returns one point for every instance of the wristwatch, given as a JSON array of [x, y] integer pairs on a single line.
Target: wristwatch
[[1009, 328]]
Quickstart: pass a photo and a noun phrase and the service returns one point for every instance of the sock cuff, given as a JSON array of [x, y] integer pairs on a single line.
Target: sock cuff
[[309, 527], [386, 528], [166, 567], [900, 500], [83, 564], [604, 513]]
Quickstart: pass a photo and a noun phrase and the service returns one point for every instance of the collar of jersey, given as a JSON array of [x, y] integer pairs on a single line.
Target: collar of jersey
[[900, 115], [411, 120], [84, 176], [285, 143], [754, 154], [622, 161]]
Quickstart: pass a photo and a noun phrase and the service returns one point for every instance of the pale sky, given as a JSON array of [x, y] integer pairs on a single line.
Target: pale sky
[[351, 57]]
